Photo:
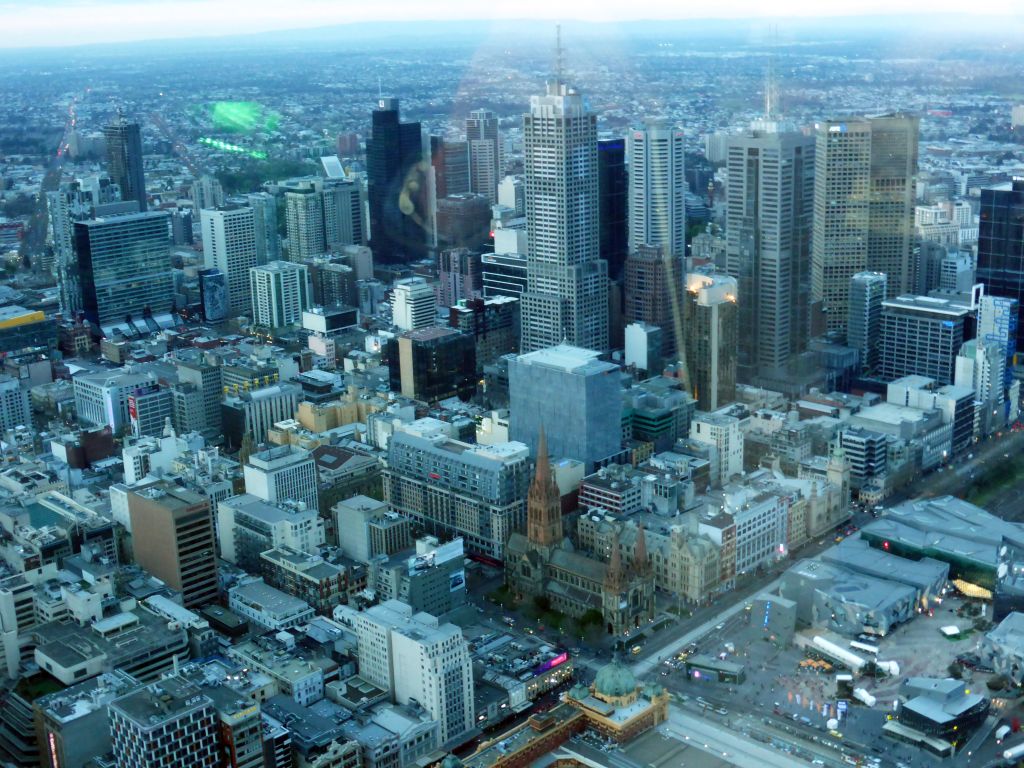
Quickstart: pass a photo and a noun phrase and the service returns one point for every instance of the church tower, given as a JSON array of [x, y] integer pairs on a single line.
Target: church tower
[[543, 504]]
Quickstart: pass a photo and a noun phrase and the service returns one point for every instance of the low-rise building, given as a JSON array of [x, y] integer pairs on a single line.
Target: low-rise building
[[267, 607]]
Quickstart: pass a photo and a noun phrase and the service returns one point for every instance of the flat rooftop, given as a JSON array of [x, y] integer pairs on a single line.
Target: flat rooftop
[[567, 358]]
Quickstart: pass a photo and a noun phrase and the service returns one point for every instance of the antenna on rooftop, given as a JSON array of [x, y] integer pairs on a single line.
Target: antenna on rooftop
[[559, 53], [380, 88], [771, 85]]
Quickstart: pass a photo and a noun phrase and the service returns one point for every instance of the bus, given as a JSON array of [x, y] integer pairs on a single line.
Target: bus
[[866, 647], [1001, 733]]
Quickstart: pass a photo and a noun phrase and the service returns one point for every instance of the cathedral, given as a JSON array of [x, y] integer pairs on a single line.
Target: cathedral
[[544, 562]]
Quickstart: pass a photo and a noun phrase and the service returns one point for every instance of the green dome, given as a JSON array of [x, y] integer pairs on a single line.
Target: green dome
[[579, 692], [614, 679], [451, 761]]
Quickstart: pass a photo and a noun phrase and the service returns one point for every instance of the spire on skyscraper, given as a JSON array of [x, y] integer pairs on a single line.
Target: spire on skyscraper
[[559, 54]]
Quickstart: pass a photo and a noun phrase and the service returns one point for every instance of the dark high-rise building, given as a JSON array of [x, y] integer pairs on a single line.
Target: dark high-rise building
[[463, 221], [124, 160], [396, 187], [124, 267], [653, 294], [504, 274], [450, 160], [432, 364], [1001, 244], [613, 203]]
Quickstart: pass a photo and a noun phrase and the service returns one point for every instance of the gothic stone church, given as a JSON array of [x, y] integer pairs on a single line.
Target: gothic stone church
[[544, 562]]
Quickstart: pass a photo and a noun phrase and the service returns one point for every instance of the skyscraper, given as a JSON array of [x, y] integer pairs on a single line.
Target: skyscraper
[[769, 217], [304, 219], [657, 188], [484, 153], [1001, 244], [268, 242], [865, 171], [344, 219], [864, 325], [283, 473], [124, 160], [396, 188], [567, 281], [450, 160], [173, 539], [613, 197], [711, 323], [280, 293], [124, 266], [229, 244], [653, 281]]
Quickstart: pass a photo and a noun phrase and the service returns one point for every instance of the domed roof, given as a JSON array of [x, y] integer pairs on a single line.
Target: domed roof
[[579, 692], [614, 679]]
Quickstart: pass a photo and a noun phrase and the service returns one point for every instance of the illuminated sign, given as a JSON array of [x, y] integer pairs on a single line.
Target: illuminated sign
[[552, 663]]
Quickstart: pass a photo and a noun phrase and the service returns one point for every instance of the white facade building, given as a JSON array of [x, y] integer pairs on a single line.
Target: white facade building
[[284, 473], [280, 293], [724, 434], [657, 188], [229, 244], [414, 305], [414, 656]]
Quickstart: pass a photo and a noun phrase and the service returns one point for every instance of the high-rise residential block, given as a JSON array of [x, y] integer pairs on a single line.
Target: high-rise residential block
[[304, 220], [414, 305], [394, 150], [280, 293], [571, 394], [229, 244], [657, 188], [864, 324], [14, 404], [171, 722], [567, 281], [998, 325], [1001, 244], [711, 322], [344, 202], [268, 242], [769, 213], [124, 267], [173, 539], [415, 657], [124, 160], [484, 153], [207, 192], [865, 171]]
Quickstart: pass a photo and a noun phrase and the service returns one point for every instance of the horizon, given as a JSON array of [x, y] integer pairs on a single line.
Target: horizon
[[58, 24]]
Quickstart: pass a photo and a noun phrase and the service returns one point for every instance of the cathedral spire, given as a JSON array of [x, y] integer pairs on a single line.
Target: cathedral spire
[[640, 562], [614, 576], [544, 503]]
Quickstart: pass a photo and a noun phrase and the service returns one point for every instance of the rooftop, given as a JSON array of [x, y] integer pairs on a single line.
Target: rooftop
[[567, 358]]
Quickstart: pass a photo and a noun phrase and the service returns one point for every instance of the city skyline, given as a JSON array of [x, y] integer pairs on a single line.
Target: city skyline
[[64, 23]]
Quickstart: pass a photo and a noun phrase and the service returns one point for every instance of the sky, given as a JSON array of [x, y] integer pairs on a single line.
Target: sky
[[35, 23]]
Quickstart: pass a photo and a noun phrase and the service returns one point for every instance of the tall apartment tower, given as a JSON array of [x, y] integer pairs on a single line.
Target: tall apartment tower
[[1001, 244], [268, 242], [864, 323], [173, 538], [124, 266], [865, 171], [769, 215], [344, 201], [397, 229], [415, 656], [450, 162], [567, 281], [171, 722], [484, 153], [657, 188], [613, 203], [998, 326], [304, 219], [280, 293], [229, 244], [712, 326], [124, 160], [283, 473]]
